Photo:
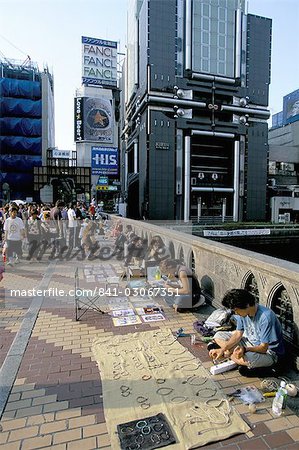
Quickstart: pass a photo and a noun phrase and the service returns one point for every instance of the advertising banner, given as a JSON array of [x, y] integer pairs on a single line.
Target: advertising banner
[[99, 62], [104, 160], [225, 233], [78, 119], [98, 120], [291, 107]]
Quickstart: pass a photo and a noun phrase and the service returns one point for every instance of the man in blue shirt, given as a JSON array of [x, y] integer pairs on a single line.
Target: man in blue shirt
[[257, 340]]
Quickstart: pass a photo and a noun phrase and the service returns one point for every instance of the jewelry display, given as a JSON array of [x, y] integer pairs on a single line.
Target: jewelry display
[[209, 392], [181, 359], [212, 414], [188, 365], [164, 341], [179, 399], [145, 405], [173, 350], [148, 433], [126, 430], [164, 436], [141, 399], [191, 380], [164, 391], [125, 390], [139, 439], [141, 424], [158, 427], [146, 377], [155, 438]]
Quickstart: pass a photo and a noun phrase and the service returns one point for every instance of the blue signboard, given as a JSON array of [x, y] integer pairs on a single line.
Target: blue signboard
[[104, 161], [291, 107]]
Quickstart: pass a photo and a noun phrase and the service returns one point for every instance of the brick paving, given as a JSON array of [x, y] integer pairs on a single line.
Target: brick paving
[[57, 399]]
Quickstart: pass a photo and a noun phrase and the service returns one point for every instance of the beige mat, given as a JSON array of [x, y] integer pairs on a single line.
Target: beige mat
[[150, 372]]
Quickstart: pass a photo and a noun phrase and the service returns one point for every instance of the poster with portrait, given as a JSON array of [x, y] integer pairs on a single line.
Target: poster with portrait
[[98, 120]]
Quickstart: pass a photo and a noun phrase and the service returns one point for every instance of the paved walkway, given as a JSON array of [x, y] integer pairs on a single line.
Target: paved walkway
[[56, 398]]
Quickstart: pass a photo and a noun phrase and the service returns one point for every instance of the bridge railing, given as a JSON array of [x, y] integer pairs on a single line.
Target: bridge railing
[[221, 267]]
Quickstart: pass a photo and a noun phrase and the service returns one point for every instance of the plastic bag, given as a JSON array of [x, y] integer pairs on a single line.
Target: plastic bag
[[249, 394]]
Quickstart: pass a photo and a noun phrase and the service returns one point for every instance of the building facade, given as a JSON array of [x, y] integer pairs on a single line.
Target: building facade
[[195, 136], [283, 170], [26, 126]]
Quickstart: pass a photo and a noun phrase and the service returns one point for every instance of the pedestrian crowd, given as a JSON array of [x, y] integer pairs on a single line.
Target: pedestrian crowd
[[33, 228]]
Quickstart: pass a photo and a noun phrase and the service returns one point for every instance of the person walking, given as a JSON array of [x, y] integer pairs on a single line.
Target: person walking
[[14, 233], [72, 223]]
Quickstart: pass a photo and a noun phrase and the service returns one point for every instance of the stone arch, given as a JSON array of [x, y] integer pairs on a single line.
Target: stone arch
[[171, 250], [181, 254], [249, 283], [280, 302]]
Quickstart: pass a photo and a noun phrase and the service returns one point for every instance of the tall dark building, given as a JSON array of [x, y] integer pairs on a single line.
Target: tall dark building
[[195, 136], [26, 126]]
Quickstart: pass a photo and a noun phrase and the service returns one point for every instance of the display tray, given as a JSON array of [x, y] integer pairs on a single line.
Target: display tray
[[147, 434]]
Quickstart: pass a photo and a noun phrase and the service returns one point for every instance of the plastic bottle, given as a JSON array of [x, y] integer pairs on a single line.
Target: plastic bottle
[[158, 274], [279, 399]]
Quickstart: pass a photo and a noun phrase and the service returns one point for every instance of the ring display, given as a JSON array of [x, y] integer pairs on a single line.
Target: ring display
[[148, 433]]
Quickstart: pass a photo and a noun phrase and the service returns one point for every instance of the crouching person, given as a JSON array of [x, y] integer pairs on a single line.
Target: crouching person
[[257, 342]]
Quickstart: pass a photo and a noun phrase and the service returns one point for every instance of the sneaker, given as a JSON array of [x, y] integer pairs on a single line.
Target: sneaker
[[9, 263]]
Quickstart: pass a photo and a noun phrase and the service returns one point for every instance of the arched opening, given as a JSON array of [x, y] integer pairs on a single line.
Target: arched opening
[[250, 284], [282, 306], [171, 250], [181, 255]]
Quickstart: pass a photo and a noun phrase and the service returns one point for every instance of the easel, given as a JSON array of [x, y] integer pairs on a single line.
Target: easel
[[88, 303]]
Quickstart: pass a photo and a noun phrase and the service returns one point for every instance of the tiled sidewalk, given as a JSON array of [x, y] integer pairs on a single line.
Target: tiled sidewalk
[[57, 400]]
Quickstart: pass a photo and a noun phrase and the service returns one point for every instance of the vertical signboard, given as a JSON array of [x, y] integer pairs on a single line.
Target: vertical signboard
[[99, 62], [78, 119], [104, 161]]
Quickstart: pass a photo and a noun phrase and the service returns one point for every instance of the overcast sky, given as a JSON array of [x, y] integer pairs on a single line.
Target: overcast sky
[[50, 31]]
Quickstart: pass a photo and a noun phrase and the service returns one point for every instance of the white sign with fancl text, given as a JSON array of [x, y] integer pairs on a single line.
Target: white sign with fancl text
[[99, 62]]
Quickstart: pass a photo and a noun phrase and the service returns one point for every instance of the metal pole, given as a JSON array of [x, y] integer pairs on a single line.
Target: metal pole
[[135, 156], [187, 179], [198, 209], [188, 36], [223, 209], [236, 181]]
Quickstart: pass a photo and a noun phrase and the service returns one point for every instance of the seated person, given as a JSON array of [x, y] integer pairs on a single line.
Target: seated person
[[184, 285], [157, 250], [257, 341], [135, 249]]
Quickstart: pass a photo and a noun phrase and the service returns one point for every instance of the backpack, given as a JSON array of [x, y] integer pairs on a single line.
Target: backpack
[[196, 289], [218, 318]]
